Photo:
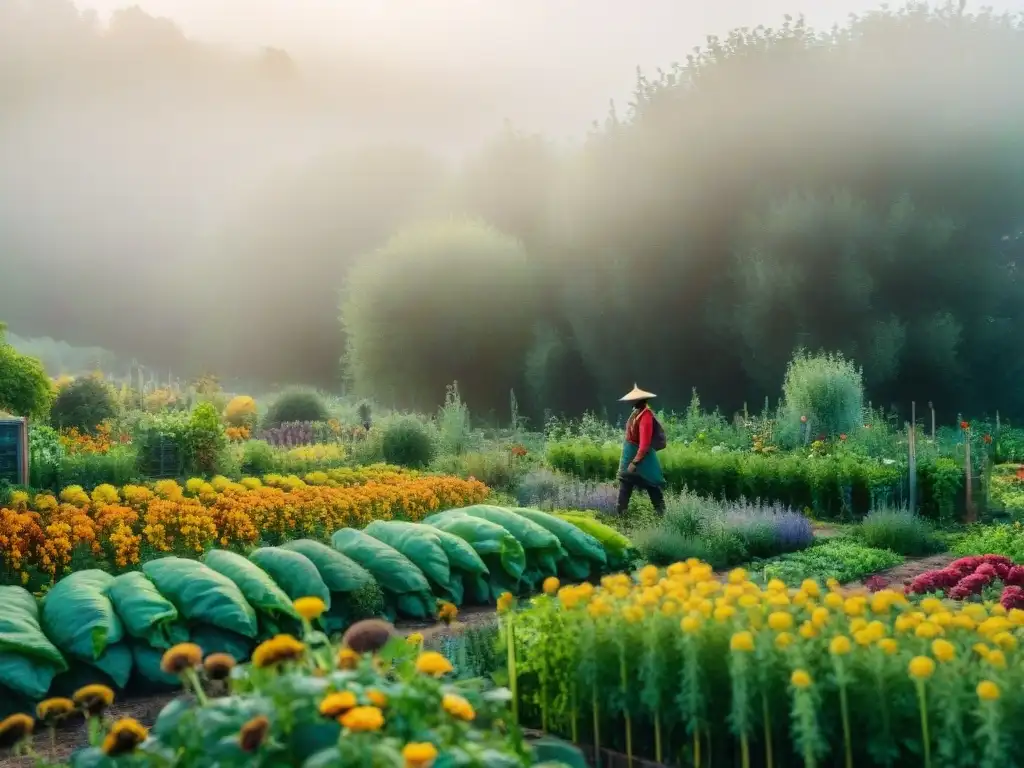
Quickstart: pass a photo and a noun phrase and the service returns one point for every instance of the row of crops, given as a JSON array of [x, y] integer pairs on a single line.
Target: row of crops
[[95, 627]]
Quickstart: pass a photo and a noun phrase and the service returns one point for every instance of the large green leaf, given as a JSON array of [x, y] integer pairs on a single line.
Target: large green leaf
[[258, 588], [116, 662], [419, 543], [393, 571], [216, 640], [147, 615], [339, 572], [202, 595], [616, 546], [460, 553], [28, 660], [574, 541], [78, 616], [293, 572], [528, 533], [490, 540], [147, 667]]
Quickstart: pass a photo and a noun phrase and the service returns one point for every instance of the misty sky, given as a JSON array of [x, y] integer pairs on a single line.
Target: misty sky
[[598, 43]]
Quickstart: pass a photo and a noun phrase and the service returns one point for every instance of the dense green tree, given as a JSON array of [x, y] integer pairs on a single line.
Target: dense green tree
[[25, 389]]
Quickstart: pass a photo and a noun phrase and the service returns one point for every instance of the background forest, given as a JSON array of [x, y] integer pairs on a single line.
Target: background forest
[[857, 189]]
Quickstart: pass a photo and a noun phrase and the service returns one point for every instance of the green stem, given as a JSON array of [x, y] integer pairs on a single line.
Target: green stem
[[925, 736], [744, 751], [625, 706], [597, 731], [696, 747], [197, 687], [574, 714], [657, 738], [844, 707], [513, 684], [768, 751]]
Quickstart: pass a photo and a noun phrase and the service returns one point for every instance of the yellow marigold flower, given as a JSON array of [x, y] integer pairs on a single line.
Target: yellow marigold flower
[[310, 608], [1016, 617], [800, 679], [808, 630], [783, 640], [963, 621], [125, 735], [690, 624], [15, 729], [988, 691], [994, 625], [252, 733], [433, 663], [277, 650], [943, 650], [780, 621], [820, 617], [749, 601], [551, 585], [981, 649], [832, 583], [669, 608], [724, 613], [181, 657], [776, 585], [810, 587], [942, 618], [649, 575], [928, 630], [379, 699], [996, 658], [363, 719], [448, 612], [414, 638], [888, 645], [458, 707], [218, 665], [52, 711], [1005, 640], [93, 698], [976, 611], [839, 645], [858, 624], [336, 704], [932, 605], [853, 606], [598, 608], [505, 601], [742, 641], [921, 667], [997, 609], [419, 754]]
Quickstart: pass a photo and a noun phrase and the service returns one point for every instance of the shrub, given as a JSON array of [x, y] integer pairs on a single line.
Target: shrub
[[204, 440], [240, 411], [25, 389], [1006, 540], [768, 530], [408, 442], [455, 432], [83, 405], [900, 530], [839, 559], [494, 469], [297, 405], [826, 390]]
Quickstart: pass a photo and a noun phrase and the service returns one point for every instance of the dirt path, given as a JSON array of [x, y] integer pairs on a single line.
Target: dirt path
[[901, 575]]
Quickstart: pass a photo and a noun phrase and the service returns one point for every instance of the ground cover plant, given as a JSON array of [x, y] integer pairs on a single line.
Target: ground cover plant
[[899, 530], [1000, 539], [93, 626], [677, 664], [844, 560]]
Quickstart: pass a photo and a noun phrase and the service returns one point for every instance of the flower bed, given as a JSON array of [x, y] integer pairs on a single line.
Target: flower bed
[[120, 526], [725, 672], [970, 578]]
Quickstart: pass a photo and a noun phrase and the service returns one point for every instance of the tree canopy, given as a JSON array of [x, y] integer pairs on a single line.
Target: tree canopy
[[25, 389]]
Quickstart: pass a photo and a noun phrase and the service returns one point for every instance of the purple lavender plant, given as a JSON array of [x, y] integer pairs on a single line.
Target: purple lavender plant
[[768, 530]]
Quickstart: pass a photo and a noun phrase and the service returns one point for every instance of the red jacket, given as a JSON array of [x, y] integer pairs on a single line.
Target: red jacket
[[639, 431]]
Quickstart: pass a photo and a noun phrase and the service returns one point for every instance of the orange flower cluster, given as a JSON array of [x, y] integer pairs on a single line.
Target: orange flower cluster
[[79, 442], [237, 434], [117, 526]]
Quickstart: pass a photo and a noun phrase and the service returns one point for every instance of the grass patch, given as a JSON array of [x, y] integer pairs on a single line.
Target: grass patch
[[841, 559]]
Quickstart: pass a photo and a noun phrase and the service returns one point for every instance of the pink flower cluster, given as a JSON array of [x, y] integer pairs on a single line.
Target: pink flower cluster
[[968, 576]]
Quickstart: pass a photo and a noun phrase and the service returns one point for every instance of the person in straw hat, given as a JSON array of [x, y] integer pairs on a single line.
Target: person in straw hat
[[639, 466]]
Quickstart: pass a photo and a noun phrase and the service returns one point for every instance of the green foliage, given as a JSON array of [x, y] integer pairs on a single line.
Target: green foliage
[[840, 559], [204, 440], [824, 389], [258, 458], [454, 429], [900, 530], [495, 469], [1006, 540], [440, 298], [83, 404], [25, 390], [162, 443], [408, 442], [296, 405]]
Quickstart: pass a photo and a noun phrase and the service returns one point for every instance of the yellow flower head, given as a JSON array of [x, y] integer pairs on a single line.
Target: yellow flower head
[[362, 719], [415, 638], [15, 729], [649, 575], [336, 704], [800, 679], [737, 576], [433, 663], [996, 658], [810, 588], [93, 699], [888, 645], [690, 623], [921, 667], [310, 608], [839, 645], [783, 640], [419, 754], [742, 642], [458, 707], [551, 585], [54, 710], [808, 630], [180, 658], [724, 612], [505, 602], [447, 612], [125, 735], [1005, 640], [988, 691], [943, 650], [928, 630], [218, 665], [780, 621], [379, 699], [277, 650]]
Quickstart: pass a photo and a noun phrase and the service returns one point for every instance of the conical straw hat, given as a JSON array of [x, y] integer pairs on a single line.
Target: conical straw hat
[[637, 394]]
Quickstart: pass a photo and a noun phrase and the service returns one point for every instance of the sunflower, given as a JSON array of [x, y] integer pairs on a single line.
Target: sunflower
[[52, 711], [219, 665], [337, 704], [15, 729], [363, 719], [125, 735], [433, 663], [94, 699], [277, 650], [252, 734], [180, 658]]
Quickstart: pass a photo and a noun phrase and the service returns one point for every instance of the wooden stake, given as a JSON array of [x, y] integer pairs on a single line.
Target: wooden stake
[[912, 455], [931, 408], [967, 474]]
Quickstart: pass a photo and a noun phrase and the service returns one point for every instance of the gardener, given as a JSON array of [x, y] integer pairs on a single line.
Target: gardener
[[639, 466]]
